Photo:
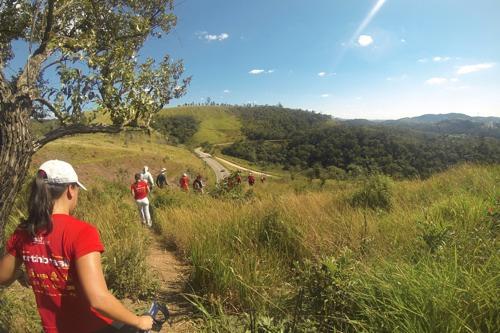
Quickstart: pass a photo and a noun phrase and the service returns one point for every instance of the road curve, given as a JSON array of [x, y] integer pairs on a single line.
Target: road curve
[[243, 168], [220, 171]]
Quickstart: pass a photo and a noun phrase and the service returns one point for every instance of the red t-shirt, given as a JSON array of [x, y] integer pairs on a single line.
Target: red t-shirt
[[140, 189], [50, 261], [184, 182]]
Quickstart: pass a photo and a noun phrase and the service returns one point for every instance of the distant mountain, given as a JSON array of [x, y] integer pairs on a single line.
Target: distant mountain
[[456, 124], [451, 124], [436, 118]]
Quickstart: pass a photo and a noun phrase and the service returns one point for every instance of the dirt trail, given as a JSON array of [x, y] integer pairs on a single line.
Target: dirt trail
[[172, 274]]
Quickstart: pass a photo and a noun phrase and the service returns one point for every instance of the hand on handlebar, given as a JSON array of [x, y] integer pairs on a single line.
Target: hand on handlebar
[[145, 323]]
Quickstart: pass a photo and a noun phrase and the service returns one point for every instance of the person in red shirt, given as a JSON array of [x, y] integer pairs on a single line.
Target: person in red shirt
[[62, 257], [251, 179], [140, 190], [184, 182]]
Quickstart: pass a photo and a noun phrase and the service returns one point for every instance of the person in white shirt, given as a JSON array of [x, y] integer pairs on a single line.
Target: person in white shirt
[[146, 175]]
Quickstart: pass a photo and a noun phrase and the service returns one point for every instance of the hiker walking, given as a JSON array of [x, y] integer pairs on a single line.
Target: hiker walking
[[251, 179], [146, 175], [161, 179], [184, 182], [238, 178], [62, 257], [263, 178], [198, 185], [140, 190]]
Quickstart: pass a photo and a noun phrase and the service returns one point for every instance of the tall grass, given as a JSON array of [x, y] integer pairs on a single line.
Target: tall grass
[[432, 255]]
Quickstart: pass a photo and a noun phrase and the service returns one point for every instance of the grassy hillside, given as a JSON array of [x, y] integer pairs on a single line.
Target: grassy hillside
[[117, 157], [218, 124]]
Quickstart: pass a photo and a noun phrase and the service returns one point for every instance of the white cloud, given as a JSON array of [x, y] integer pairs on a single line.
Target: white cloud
[[261, 71], [436, 81], [227, 91], [326, 74], [440, 59], [210, 37], [423, 60], [365, 40], [454, 79], [325, 95], [256, 71], [403, 40], [474, 68]]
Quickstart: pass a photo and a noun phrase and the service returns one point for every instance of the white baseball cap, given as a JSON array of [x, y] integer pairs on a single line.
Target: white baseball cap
[[60, 172]]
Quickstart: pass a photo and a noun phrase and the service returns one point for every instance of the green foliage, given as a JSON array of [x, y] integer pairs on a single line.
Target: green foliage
[[231, 188], [273, 122], [275, 233], [177, 128], [91, 50], [326, 299], [376, 193], [435, 234], [429, 297]]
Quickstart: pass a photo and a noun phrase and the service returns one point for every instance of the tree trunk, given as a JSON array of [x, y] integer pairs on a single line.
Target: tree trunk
[[16, 150]]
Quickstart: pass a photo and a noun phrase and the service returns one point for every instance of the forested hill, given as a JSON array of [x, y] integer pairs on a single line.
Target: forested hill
[[274, 123], [334, 149]]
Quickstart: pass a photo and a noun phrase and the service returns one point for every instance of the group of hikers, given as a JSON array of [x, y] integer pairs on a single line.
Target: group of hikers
[[62, 254], [236, 179], [144, 184]]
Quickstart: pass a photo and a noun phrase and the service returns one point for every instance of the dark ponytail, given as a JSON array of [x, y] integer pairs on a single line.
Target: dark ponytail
[[41, 204]]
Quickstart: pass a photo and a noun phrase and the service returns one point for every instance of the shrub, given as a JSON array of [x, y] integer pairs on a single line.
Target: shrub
[[376, 193], [280, 235], [325, 300]]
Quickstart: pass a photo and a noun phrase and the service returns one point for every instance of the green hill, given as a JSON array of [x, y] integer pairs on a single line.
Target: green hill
[[217, 124]]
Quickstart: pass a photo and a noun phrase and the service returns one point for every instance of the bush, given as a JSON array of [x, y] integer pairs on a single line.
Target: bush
[[326, 298], [275, 233], [376, 193]]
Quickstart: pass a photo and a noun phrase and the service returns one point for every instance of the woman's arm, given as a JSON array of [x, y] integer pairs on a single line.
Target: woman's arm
[[9, 264], [95, 289]]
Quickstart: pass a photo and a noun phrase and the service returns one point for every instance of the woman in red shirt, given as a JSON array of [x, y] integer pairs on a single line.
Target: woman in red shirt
[[62, 256], [140, 190]]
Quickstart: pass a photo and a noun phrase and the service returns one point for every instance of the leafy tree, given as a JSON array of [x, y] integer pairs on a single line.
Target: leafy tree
[[82, 54]]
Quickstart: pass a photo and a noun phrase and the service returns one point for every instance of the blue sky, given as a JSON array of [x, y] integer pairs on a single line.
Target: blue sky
[[372, 59], [406, 58]]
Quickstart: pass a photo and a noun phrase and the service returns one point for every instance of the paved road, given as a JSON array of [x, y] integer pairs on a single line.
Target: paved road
[[220, 171]]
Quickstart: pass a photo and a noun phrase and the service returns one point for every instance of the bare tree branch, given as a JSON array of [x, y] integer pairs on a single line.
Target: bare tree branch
[[58, 61]]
